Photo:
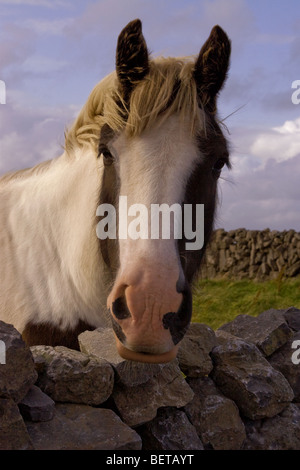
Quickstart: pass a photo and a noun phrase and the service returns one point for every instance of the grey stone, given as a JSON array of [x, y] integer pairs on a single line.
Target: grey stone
[[292, 316], [193, 354], [293, 270], [170, 430], [18, 373], [140, 389], [282, 360], [282, 432], [67, 375], [243, 374], [215, 417], [269, 331], [36, 405], [252, 254], [13, 432], [139, 404], [101, 344], [82, 427]]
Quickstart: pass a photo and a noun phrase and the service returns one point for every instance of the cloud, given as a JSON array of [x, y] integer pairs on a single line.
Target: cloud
[[235, 16], [18, 44], [29, 134], [53, 27], [275, 38], [279, 143], [37, 3], [40, 65], [180, 28], [100, 18], [267, 197], [262, 190]]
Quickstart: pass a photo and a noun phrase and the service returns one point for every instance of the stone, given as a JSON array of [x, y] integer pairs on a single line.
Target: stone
[[292, 317], [170, 430], [193, 354], [13, 432], [225, 391], [245, 376], [36, 405], [269, 331], [215, 417], [82, 427], [101, 344], [222, 260], [138, 404], [18, 373], [242, 254], [281, 360], [140, 389], [282, 432], [293, 270], [70, 376]]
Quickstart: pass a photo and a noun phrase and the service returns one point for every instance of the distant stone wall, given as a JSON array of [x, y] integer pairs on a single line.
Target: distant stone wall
[[252, 254]]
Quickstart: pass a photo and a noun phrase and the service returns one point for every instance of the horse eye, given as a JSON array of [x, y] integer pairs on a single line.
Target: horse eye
[[217, 168], [107, 157]]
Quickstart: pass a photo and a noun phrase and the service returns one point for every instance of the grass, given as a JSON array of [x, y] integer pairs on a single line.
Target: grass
[[216, 302]]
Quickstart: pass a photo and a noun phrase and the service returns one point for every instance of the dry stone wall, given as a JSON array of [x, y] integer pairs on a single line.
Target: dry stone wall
[[230, 389], [252, 254]]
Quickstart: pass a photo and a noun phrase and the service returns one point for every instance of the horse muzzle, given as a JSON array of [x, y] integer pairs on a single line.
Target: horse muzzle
[[173, 326], [130, 355]]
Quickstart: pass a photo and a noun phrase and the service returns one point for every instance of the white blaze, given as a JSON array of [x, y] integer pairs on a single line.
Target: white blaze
[[154, 169]]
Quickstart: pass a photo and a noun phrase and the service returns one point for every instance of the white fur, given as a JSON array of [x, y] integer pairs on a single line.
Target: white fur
[[154, 169], [49, 257]]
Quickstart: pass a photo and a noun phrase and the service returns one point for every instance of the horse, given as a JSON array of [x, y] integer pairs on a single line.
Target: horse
[[148, 131]]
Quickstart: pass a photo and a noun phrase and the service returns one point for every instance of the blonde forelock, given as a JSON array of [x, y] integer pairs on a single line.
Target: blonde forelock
[[168, 88]]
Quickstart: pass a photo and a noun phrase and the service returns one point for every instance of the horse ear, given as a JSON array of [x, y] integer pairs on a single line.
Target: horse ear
[[132, 58], [211, 67]]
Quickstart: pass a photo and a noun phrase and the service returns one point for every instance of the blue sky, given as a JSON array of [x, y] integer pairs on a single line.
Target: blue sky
[[52, 53]]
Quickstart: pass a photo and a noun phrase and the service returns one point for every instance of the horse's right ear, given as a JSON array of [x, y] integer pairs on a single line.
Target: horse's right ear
[[132, 58], [212, 66]]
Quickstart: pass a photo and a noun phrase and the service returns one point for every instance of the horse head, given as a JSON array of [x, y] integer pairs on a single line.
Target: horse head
[[170, 151]]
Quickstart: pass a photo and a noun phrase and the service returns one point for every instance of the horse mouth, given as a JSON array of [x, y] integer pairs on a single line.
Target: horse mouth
[[130, 355]]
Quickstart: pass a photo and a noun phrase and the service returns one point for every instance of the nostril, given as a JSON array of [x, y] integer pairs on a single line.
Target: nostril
[[120, 309], [174, 324], [178, 322]]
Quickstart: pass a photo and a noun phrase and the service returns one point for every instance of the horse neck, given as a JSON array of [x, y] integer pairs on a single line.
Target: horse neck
[[80, 189], [67, 193]]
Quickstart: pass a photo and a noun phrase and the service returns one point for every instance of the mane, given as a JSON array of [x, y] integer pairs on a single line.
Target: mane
[[168, 88]]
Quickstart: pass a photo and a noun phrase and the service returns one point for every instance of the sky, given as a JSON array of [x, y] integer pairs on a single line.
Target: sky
[[53, 52]]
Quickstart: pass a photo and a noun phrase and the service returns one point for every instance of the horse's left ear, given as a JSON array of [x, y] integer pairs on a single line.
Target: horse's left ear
[[132, 58], [212, 66]]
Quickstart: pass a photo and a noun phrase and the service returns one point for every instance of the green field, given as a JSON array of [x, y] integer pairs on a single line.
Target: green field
[[216, 302]]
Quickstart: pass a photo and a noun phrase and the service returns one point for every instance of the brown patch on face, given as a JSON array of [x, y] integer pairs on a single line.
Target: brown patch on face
[[106, 135], [202, 189], [108, 195], [212, 143], [44, 333]]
